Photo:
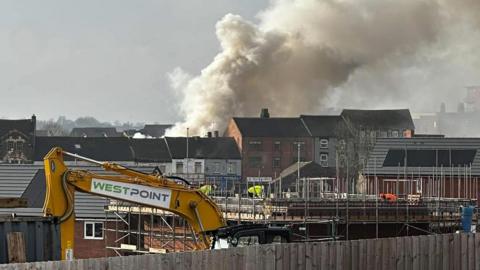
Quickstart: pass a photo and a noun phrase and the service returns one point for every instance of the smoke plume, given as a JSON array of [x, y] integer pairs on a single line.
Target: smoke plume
[[304, 56]]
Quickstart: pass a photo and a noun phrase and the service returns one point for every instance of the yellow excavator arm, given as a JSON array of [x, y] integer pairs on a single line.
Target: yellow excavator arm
[[126, 184]]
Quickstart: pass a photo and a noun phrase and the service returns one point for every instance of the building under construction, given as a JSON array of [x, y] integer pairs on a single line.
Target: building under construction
[[428, 185]]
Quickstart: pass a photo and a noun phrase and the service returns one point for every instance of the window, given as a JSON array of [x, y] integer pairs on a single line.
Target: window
[[276, 146], [255, 145], [395, 133], [198, 167], [93, 230], [216, 167], [19, 146], [231, 168], [324, 143], [324, 159], [10, 145], [296, 144], [341, 144], [254, 162], [276, 162], [179, 167]]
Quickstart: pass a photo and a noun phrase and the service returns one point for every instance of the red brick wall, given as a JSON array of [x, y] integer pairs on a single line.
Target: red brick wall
[[448, 187], [287, 154], [92, 248]]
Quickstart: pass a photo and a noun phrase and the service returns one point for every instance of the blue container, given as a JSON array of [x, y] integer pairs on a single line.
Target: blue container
[[42, 237], [467, 214]]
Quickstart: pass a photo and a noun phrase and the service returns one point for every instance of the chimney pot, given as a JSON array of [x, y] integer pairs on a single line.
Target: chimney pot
[[264, 113], [216, 133], [209, 134]]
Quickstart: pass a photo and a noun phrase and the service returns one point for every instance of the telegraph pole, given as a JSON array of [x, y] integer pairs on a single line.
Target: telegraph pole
[[298, 168]]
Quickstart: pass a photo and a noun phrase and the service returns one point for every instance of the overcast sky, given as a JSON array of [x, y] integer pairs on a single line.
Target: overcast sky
[[107, 59]]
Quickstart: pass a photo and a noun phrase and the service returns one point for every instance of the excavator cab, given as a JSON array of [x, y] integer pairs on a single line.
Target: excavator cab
[[250, 234]]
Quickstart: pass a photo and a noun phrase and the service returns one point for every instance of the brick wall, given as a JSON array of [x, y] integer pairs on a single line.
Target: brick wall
[[93, 248], [287, 152]]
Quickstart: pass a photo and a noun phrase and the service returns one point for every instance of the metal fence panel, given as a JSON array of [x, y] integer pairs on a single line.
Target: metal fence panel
[[42, 237]]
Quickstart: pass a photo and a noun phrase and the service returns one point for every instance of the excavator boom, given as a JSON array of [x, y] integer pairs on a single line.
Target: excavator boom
[[125, 184]]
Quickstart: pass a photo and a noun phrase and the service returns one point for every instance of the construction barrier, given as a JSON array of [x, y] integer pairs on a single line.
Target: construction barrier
[[442, 251]]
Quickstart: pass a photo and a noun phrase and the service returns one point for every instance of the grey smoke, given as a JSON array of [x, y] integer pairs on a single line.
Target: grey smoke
[[307, 55]]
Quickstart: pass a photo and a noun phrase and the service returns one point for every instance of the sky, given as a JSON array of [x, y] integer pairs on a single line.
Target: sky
[[107, 59], [195, 64]]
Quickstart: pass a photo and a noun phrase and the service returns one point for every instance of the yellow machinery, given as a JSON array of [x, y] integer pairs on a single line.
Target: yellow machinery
[[128, 185]]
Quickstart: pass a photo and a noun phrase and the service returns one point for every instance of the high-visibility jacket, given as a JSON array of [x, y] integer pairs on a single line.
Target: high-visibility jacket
[[206, 189], [256, 191]]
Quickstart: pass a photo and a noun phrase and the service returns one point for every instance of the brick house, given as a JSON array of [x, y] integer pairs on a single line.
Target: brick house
[[426, 166], [269, 145], [323, 129], [209, 160], [94, 229], [17, 140]]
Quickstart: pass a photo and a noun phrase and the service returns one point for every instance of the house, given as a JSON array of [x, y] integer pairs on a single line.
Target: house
[[17, 140], [323, 129], [94, 228], [427, 166], [152, 152], [95, 132], [116, 149], [358, 133], [379, 123], [268, 145], [205, 160]]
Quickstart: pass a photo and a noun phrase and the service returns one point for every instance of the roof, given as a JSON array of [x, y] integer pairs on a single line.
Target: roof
[[271, 127], [204, 148], [95, 132], [28, 181], [15, 178], [42, 132], [424, 156], [103, 149], [156, 131], [26, 126], [321, 125], [150, 150], [394, 119], [308, 169]]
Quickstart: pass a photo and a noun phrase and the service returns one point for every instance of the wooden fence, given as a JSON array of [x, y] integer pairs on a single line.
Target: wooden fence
[[447, 251]]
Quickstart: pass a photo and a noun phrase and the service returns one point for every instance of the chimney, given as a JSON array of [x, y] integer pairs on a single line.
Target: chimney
[[216, 133], [264, 113], [209, 134]]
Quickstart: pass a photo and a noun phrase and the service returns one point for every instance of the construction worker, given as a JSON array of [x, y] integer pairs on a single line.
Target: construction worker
[[206, 189], [255, 191]]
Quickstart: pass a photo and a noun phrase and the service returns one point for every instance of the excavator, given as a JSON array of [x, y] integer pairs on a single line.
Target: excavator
[[209, 228]]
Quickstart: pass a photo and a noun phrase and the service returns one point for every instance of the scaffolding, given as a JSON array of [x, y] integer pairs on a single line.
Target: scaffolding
[[320, 209]]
